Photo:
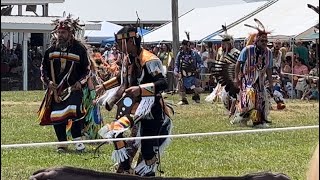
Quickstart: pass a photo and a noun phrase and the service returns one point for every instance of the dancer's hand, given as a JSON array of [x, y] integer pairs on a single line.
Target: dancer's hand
[[77, 85], [135, 91], [52, 86], [99, 89]]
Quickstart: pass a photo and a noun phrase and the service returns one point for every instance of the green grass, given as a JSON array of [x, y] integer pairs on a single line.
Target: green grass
[[287, 152]]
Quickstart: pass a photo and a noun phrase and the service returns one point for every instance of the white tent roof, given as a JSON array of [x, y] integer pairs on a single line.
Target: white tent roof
[[125, 10], [285, 18], [107, 30], [304, 35], [201, 22], [35, 24]]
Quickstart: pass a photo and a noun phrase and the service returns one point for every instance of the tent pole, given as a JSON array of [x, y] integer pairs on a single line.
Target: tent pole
[[25, 61], [292, 56], [175, 30]]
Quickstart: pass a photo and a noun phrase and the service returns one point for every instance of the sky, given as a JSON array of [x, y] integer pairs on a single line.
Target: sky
[[125, 10]]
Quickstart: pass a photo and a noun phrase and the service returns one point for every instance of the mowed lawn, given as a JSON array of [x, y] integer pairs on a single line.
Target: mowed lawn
[[288, 152]]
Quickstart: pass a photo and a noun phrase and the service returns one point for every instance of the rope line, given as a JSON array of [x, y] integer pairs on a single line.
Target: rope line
[[307, 76], [158, 137]]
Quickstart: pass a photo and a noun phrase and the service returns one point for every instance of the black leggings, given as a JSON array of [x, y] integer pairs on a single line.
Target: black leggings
[[149, 128], [60, 130]]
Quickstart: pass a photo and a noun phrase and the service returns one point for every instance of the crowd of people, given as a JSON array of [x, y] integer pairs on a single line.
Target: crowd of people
[[12, 67], [80, 78], [299, 59]]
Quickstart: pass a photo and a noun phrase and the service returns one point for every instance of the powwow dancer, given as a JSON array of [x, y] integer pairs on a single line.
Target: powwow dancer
[[137, 93], [253, 65], [186, 68], [64, 70], [227, 54], [248, 75], [93, 120]]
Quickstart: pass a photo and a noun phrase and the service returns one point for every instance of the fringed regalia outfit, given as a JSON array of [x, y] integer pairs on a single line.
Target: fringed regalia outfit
[[148, 115], [252, 99], [253, 96], [225, 56], [222, 91], [93, 120], [187, 64], [67, 66]]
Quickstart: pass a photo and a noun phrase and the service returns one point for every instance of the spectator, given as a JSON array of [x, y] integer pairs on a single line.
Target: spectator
[[107, 51], [300, 68], [284, 49], [277, 57], [13, 60], [165, 55], [18, 52], [312, 55], [300, 82], [156, 50], [302, 52], [204, 54], [315, 71], [312, 92], [287, 68]]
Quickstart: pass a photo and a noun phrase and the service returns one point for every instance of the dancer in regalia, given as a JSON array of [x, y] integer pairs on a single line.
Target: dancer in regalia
[[137, 94]]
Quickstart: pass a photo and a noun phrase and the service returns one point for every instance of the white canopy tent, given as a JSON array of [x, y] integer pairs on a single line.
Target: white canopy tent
[[309, 34], [285, 18], [201, 21], [124, 10], [107, 30]]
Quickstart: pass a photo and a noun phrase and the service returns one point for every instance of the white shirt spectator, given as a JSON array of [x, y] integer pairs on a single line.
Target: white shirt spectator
[[204, 57]]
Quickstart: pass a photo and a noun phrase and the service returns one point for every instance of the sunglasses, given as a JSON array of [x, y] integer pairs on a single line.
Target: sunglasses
[[263, 40]]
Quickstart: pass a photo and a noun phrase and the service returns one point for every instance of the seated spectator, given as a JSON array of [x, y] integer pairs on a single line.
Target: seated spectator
[[286, 68], [300, 82], [312, 93], [312, 55], [300, 68], [315, 71]]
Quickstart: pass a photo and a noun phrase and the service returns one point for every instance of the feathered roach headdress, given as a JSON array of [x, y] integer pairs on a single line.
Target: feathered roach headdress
[[131, 32], [186, 42], [226, 37], [261, 32], [67, 23]]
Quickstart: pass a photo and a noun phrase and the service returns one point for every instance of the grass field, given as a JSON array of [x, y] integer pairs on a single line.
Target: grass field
[[287, 152]]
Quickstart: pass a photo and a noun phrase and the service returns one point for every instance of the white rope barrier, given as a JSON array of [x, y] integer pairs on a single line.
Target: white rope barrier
[[158, 137], [308, 76]]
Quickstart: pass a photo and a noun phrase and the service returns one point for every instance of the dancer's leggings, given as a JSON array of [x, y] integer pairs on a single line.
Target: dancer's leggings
[[60, 130]]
